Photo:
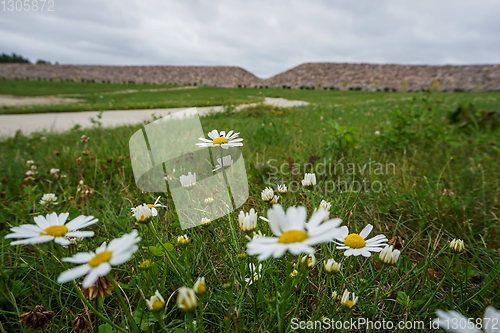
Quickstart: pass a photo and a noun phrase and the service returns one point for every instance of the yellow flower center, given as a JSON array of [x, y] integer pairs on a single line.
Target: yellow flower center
[[201, 289], [99, 258], [55, 230], [348, 304], [150, 206], [354, 241], [220, 140], [293, 236], [157, 305], [309, 262]]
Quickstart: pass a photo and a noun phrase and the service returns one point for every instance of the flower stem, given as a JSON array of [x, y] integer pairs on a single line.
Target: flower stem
[[94, 310], [235, 240], [372, 280], [123, 305]]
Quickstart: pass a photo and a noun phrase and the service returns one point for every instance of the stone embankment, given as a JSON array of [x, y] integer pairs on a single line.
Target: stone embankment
[[306, 76]]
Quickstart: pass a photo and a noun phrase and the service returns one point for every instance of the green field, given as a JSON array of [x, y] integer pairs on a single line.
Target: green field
[[439, 182]]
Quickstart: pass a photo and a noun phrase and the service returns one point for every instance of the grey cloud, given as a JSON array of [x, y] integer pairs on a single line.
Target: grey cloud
[[264, 37]]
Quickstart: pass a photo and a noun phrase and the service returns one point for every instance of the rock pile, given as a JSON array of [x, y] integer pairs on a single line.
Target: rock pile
[[388, 77], [306, 76], [180, 75]]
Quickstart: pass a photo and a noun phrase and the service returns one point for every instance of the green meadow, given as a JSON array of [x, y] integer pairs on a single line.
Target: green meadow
[[391, 160]]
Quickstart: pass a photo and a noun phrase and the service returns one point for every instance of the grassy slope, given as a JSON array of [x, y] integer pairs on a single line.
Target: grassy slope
[[429, 156]]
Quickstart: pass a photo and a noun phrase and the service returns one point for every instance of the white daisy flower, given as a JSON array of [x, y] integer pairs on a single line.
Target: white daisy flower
[[154, 212], [188, 181], [205, 221], [186, 300], [346, 303], [142, 213], [282, 189], [267, 194], [257, 234], [183, 240], [223, 140], [293, 234], [226, 160], [208, 201], [452, 321], [248, 221], [254, 272], [98, 263], [355, 244], [52, 227], [274, 200], [156, 302], [309, 179], [48, 199], [389, 256]]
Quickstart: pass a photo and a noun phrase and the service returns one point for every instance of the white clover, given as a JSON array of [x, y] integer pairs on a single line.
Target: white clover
[[48, 199], [188, 181], [355, 244], [54, 171], [52, 227], [325, 205], [248, 221], [156, 302], [98, 263], [389, 256], [255, 272], [293, 234], [452, 321], [152, 207], [457, 245], [227, 161], [30, 162], [223, 140], [267, 194], [309, 179]]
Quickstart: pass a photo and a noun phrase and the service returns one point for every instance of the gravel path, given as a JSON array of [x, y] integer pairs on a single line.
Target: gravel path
[[63, 121]]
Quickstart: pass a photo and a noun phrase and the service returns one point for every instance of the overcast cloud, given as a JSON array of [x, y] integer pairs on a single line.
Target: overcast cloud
[[264, 37]]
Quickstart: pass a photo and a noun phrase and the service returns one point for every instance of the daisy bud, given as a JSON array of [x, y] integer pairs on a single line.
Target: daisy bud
[[389, 256], [199, 286], [346, 303], [183, 240], [208, 201], [331, 266], [274, 200], [311, 260], [294, 274], [189, 181], [282, 189], [248, 221], [205, 221], [156, 302], [457, 246], [242, 255], [325, 205], [145, 265], [335, 296], [143, 214], [309, 180], [186, 299]]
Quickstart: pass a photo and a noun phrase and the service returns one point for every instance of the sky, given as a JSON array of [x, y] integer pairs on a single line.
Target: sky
[[263, 37]]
